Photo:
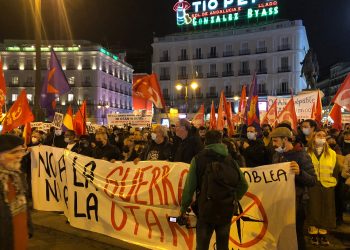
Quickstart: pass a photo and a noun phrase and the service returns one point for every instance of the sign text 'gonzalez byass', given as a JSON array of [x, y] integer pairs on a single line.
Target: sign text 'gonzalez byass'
[[210, 12]]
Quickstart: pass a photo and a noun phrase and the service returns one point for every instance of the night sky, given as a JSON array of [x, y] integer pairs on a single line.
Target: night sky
[[132, 23]]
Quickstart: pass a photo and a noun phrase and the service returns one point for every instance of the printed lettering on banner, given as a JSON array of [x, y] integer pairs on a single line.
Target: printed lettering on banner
[[133, 202]]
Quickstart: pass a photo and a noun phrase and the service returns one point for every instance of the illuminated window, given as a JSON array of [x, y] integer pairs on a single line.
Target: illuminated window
[[71, 80], [15, 80], [70, 97], [14, 97]]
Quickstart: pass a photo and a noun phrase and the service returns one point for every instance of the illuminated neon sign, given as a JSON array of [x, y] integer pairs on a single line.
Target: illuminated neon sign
[[222, 11]]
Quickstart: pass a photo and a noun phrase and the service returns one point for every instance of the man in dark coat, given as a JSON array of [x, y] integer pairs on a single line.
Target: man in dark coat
[[190, 144], [301, 165], [253, 149], [104, 150]]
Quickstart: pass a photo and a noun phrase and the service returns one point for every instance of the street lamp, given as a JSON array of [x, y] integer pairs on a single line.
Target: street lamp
[[104, 106], [179, 86]]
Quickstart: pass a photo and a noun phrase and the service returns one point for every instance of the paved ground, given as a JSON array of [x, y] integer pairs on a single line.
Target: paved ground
[[52, 232]]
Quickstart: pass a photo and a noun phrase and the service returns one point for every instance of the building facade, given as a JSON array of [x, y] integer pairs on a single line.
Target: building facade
[[227, 58], [102, 79]]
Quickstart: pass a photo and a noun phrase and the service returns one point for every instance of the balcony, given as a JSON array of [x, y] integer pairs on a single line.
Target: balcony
[[86, 84], [164, 59], [164, 77], [261, 71], [212, 55], [183, 58], [197, 57], [70, 67], [86, 67], [198, 75], [227, 53], [262, 92], [29, 67], [212, 74], [243, 52], [284, 69], [104, 86], [283, 47], [261, 50], [14, 67], [212, 95], [227, 73], [27, 84], [197, 96], [229, 93], [182, 76], [244, 72]]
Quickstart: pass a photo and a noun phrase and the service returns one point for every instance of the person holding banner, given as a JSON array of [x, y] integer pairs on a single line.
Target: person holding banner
[[13, 204], [104, 150], [305, 176], [321, 210]]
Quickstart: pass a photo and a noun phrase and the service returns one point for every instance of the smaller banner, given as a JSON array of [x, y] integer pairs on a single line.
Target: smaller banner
[[57, 120], [120, 120]]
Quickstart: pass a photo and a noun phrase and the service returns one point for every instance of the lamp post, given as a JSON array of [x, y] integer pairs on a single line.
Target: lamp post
[[179, 86], [104, 106]]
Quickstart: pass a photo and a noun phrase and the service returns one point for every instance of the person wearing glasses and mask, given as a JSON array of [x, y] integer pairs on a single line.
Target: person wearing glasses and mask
[[69, 138]]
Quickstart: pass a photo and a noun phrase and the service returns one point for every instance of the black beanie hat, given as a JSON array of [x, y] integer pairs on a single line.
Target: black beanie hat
[[8, 142]]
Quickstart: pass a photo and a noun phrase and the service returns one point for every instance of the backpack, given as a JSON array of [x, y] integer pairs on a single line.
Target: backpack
[[218, 178]]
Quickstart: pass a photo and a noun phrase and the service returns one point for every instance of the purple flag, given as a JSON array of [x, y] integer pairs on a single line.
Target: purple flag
[[252, 110], [55, 84]]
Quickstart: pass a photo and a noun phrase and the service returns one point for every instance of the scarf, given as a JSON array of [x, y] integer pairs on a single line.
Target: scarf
[[19, 204]]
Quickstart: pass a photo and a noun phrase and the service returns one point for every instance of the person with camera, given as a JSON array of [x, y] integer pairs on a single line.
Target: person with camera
[[213, 163]]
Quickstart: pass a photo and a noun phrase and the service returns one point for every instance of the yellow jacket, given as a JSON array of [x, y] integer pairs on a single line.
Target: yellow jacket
[[324, 168]]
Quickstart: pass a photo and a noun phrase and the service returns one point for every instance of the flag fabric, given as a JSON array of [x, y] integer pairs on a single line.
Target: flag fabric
[[55, 84], [336, 116], [148, 88], [229, 116], [68, 119], [212, 122], [342, 97], [198, 119], [19, 114], [313, 115], [79, 122], [289, 114], [220, 123], [27, 133], [242, 103], [2, 88], [318, 109], [271, 115], [252, 110]]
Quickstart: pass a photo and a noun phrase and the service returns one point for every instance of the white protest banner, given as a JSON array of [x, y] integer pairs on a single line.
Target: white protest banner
[[120, 120], [132, 202], [303, 103], [345, 118], [46, 126], [57, 120]]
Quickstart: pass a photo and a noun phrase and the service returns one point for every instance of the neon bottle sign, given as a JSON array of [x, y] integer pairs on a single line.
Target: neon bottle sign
[[222, 11]]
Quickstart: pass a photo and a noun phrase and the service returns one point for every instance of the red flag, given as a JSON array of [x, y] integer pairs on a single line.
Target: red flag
[[148, 88], [336, 116], [228, 111], [220, 121], [19, 114], [79, 122], [313, 116], [318, 109], [27, 133], [2, 87], [342, 97], [271, 115], [198, 119], [288, 114], [242, 104], [212, 124]]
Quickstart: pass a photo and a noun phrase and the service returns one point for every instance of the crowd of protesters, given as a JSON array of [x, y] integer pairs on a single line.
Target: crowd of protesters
[[320, 158]]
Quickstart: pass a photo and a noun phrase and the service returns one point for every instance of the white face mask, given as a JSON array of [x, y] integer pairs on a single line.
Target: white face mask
[[306, 131], [279, 150], [251, 135], [320, 142], [153, 136], [35, 140], [58, 132]]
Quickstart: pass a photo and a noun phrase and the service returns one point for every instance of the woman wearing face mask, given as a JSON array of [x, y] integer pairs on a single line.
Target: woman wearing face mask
[[308, 128], [321, 210]]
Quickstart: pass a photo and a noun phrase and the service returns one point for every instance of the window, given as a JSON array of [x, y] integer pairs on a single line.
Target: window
[[29, 79], [164, 71], [212, 91], [14, 97], [29, 63], [30, 97], [229, 48], [165, 54], [198, 70], [183, 70], [212, 51], [244, 66], [228, 67], [165, 92], [244, 46], [70, 63], [15, 80], [261, 88], [284, 87], [284, 41], [71, 80], [198, 53], [70, 97], [284, 62], [261, 44], [261, 66], [183, 53], [86, 64], [212, 68]]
